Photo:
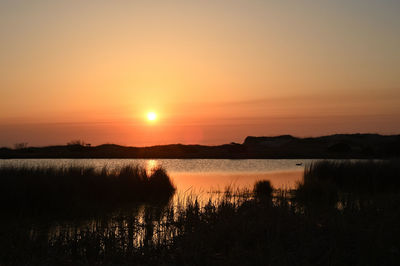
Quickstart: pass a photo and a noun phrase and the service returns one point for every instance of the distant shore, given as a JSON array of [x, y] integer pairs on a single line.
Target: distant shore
[[340, 146]]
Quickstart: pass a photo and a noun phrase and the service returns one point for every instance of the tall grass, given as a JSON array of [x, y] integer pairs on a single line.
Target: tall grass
[[231, 231], [370, 177], [27, 189], [348, 183], [238, 229]]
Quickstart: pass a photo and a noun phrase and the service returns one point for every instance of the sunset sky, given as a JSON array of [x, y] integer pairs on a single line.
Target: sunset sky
[[212, 71]]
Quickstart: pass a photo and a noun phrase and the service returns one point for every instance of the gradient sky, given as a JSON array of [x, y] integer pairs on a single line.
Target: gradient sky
[[214, 71]]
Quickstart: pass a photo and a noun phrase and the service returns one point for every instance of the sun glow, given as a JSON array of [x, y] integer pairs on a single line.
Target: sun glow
[[151, 116]]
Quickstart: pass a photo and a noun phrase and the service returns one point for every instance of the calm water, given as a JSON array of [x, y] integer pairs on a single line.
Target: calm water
[[196, 175]]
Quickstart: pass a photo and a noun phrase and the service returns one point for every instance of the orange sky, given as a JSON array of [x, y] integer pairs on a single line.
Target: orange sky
[[214, 71]]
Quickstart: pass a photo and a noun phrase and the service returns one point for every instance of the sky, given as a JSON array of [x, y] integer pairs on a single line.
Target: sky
[[214, 72]]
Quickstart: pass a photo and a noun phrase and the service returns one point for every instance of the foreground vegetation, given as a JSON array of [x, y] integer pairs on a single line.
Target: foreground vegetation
[[76, 188], [324, 221]]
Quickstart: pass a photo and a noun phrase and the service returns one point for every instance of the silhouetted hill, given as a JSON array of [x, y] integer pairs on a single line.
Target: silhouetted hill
[[285, 146], [333, 146]]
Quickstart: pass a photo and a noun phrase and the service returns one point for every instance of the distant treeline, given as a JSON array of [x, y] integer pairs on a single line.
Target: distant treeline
[[286, 146]]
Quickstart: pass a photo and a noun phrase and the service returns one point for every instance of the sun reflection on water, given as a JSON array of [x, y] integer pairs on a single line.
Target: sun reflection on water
[[150, 165]]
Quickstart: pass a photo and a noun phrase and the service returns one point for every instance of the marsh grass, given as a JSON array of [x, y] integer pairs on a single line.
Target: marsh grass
[[60, 189], [362, 177], [236, 228], [229, 231], [348, 184]]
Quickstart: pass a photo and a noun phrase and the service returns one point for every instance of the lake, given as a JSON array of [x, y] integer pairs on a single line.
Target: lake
[[197, 175]]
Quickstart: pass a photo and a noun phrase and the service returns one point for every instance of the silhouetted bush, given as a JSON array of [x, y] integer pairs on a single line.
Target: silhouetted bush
[[26, 189], [21, 145], [263, 189], [76, 142]]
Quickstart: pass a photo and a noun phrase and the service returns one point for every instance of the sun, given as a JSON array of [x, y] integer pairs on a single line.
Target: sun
[[151, 116]]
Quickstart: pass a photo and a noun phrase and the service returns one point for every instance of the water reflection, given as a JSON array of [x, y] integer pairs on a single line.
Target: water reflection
[[129, 231], [150, 165], [219, 181], [124, 230], [173, 165]]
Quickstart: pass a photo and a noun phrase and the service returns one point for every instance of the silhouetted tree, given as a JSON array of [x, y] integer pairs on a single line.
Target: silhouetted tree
[[22, 145], [76, 142]]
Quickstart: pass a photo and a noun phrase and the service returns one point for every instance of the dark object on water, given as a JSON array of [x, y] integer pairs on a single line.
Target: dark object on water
[[299, 164]]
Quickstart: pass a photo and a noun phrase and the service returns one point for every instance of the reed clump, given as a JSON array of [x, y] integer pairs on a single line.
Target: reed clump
[[30, 189], [328, 183], [263, 189], [370, 177]]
